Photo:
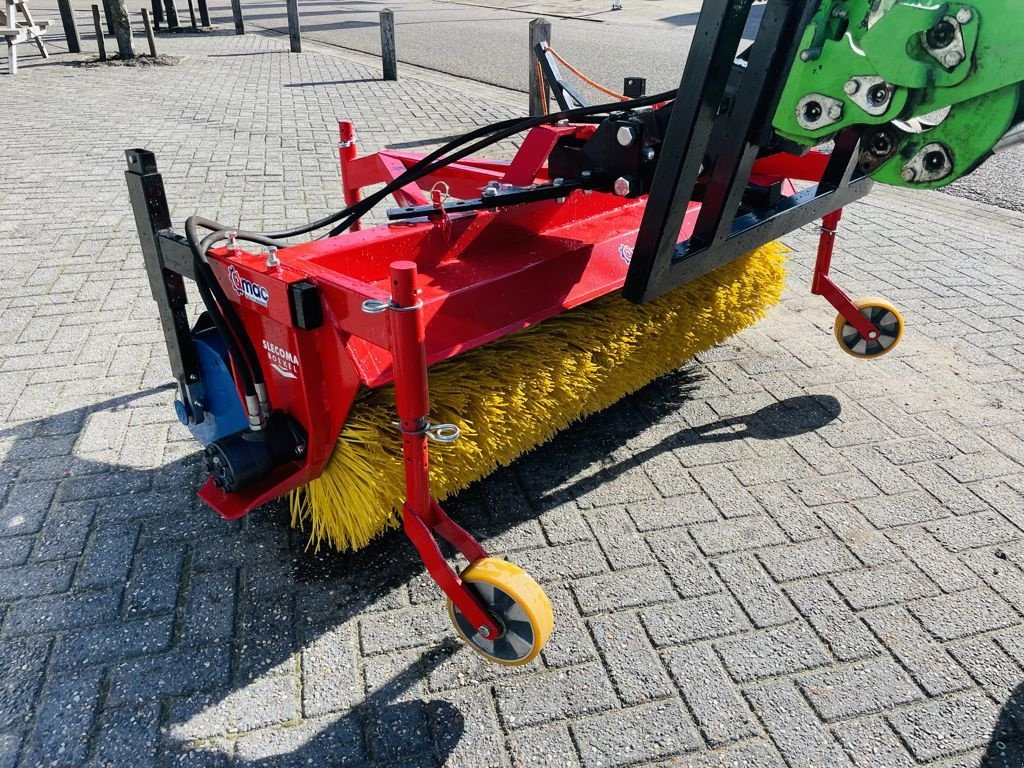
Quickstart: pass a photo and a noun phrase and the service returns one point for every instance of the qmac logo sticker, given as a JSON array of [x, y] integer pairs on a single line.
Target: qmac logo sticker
[[625, 253], [247, 288]]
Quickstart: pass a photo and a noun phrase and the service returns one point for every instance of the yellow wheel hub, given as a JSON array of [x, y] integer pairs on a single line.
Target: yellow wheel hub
[[880, 313], [516, 601]]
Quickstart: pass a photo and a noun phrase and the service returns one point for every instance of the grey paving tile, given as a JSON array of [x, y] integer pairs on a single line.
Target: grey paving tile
[[943, 728], [627, 654], [648, 732], [770, 652], [867, 687]]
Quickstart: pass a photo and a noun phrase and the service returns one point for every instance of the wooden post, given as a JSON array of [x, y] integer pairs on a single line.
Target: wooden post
[[67, 17], [192, 15], [99, 32], [109, 17], [158, 14], [204, 13], [388, 51], [171, 12], [149, 32], [540, 32], [236, 11], [294, 32]]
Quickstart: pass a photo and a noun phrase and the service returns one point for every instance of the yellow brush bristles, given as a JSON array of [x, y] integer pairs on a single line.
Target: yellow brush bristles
[[518, 392]]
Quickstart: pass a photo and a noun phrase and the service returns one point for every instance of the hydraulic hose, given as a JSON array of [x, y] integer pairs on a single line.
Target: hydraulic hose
[[494, 132]]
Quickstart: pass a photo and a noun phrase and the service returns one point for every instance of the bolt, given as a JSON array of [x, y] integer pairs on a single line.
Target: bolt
[[623, 186], [835, 112], [625, 136], [881, 144], [558, 182], [964, 15], [272, 261], [300, 449], [935, 161], [231, 240], [483, 631], [805, 56], [812, 112], [492, 188], [878, 95], [559, 199], [909, 174], [952, 59], [199, 405], [851, 87], [840, 13], [193, 378], [941, 35], [647, 154]]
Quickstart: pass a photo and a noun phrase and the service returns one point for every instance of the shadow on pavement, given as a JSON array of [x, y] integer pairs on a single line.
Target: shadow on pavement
[[1006, 746], [285, 601]]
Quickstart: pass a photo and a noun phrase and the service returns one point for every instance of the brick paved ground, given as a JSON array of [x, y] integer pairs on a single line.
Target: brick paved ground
[[778, 556]]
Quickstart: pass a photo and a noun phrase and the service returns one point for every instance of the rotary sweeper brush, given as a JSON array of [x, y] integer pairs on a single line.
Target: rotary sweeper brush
[[621, 240]]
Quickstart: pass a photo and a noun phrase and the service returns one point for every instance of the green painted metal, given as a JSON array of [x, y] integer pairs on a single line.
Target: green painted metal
[[878, 65]]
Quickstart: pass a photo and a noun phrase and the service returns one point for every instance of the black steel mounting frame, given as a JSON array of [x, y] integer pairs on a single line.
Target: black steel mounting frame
[[721, 141]]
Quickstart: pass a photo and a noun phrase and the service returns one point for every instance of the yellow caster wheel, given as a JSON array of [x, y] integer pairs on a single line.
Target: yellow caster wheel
[[519, 605], [880, 313]]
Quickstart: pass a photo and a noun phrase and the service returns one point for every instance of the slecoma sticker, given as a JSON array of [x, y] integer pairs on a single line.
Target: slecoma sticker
[[247, 288]]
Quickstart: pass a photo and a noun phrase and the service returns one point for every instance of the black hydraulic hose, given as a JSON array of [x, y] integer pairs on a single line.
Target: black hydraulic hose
[[223, 314], [425, 166], [494, 133]]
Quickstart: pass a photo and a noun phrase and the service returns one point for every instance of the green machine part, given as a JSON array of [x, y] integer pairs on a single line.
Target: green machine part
[[933, 87]]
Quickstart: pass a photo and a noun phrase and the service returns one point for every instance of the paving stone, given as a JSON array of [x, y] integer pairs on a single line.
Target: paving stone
[[687, 569], [571, 692], [622, 590], [26, 507], [655, 514], [721, 714], [36, 579], [968, 532], [619, 540], [721, 486], [926, 660], [260, 704], [932, 558], [648, 732], [980, 466], [753, 754], [570, 643], [14, 550], [24, 665], [849, 486], [108, 556], [989, 665], [562, 563], [719, 538], [838, 626], [810, 558], [128, 737], [176, 673], [210, 610], [10, 748], [700, 619], [64, 720], [481, 742], [795, 519], [113, 642], [940, 484], [754, 590], [770, 652], [64, 534], [965, 613], [859, 535], [884, 585], [866, 688], [322, 741], [945, 727], [872, 744], [635, 671], [408, 628], [548, 746], [70, 611], [905, 509], [793, 727]]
